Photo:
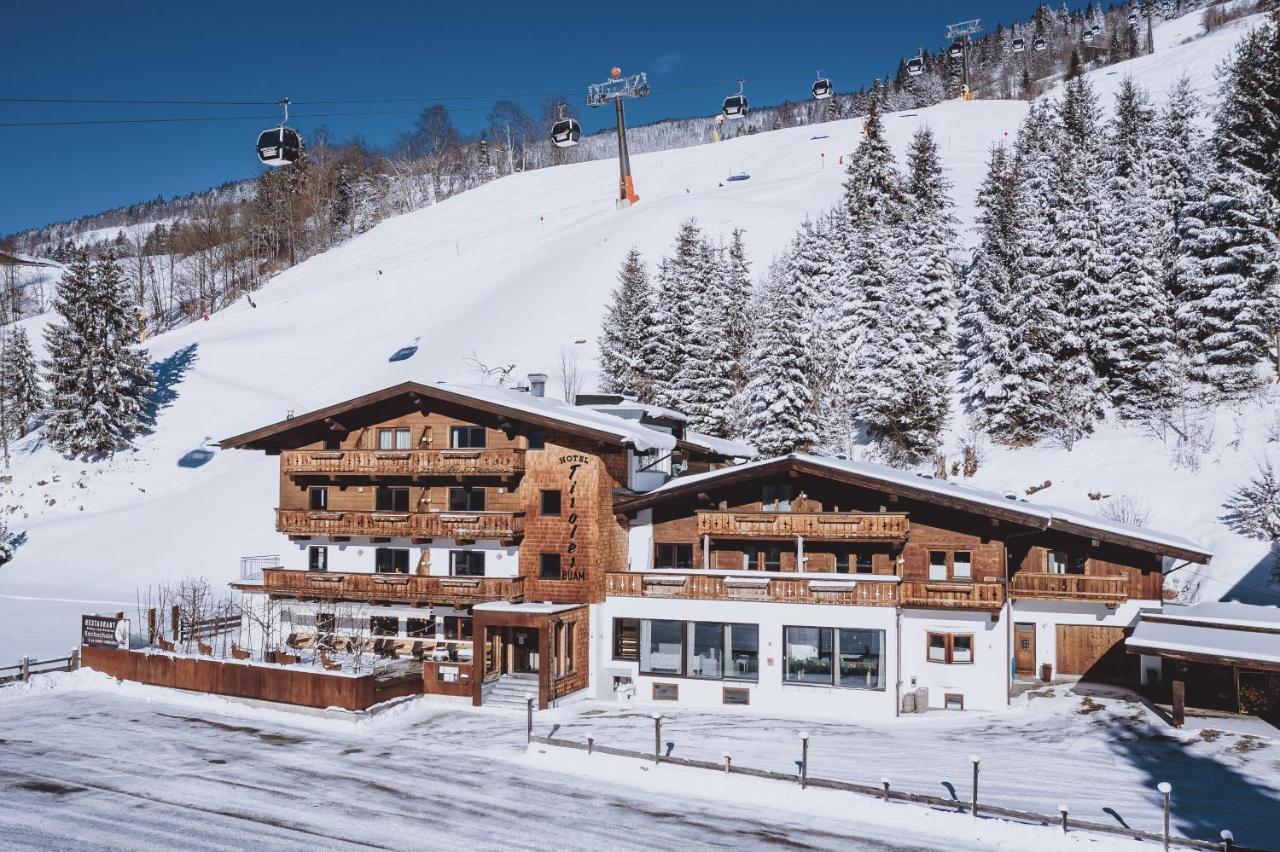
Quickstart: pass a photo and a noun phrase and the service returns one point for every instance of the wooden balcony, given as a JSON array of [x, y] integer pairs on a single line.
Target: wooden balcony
[[827, 526], [462, 526], [839, 589], [450, 463], [952, 594], [390, 588], [1070, 587]]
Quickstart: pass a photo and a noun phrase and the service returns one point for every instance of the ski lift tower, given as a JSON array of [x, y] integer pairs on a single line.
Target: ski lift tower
[[961, 32], [617, 89]]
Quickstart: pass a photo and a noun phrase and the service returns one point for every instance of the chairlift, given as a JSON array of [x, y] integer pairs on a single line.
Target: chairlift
[[280, 145], [1019, 45], [956, 50], [566, 132], [735, 106], [1039, 44], [822, 87]]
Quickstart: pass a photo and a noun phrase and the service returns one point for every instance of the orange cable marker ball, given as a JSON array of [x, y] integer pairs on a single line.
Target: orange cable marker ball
[[615, 72]]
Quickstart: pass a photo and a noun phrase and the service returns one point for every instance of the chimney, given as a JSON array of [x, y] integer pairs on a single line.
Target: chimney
[[537, 384]]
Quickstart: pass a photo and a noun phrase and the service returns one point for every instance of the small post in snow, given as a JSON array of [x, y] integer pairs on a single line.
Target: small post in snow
[[73, 659], [728, 761], [804, 759], [24, 669], [1062, 809], [885, 783], [529, 725], [591, 744], [657, 737], [976, 762], [1228, 840], [1166, 790]]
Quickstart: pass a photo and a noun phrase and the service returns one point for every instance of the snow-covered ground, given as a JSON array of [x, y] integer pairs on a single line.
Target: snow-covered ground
[[515, 272], [95, 765]]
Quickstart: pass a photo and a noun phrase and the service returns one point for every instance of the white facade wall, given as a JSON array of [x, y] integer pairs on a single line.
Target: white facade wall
[[984, 683], [1046, 615], [770, 693], [640, 541], [357, 555]]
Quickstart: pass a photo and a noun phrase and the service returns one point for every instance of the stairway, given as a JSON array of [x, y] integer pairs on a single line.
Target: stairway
[[513, 691]]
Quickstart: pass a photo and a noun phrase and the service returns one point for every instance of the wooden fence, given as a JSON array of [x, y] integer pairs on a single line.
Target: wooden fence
[[286, 685], [28, 667], [886, 793]]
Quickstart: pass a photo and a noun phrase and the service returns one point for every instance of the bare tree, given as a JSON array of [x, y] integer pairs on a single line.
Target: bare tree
[[572, 375]]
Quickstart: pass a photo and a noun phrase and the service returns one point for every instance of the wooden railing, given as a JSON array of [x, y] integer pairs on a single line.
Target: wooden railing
[[841, 526], [1080, 587], [752, 587], [952, 594], [455, 525], [390, 588], [509, 462]]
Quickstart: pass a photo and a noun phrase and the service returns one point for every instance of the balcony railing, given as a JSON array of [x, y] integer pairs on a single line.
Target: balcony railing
[[471, 526], [834, 526], [1077, 587], [952, 594], [390, 588], [507, 463], [753, 587]]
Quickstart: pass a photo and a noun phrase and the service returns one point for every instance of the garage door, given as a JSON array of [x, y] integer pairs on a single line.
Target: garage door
[[1083, 648]]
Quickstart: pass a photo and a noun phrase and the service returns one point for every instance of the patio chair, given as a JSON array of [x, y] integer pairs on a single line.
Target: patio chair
[[329, 664]]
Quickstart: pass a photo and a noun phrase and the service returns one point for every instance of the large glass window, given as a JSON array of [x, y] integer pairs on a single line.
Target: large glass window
[[393, 439], [661, 646], [391, 560], [626, 638], [392, 499], [466, 563], [677, 556], [742, 661], [852, 658], [706, 649], [466, 499], [466, 437], [420, 628], [762, 557], [384, 625]]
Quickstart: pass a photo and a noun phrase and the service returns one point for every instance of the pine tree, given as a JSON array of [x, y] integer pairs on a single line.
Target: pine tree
[[781, 412], [706, 377], [626, 331], [1182, 167], [1131, 132], [741, 319], [683, 279], [97, 373], [23, 398]]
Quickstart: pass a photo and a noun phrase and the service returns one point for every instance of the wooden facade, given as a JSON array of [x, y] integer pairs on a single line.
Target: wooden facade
[[390, 588], [742, 587]]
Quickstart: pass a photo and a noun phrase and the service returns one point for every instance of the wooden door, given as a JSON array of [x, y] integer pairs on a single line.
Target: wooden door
[[1024, 648], [1258, 693], [1083, 647]]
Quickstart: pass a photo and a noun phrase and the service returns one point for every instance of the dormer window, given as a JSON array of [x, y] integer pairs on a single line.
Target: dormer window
[[393, 439], [466, 437], [776, 498]]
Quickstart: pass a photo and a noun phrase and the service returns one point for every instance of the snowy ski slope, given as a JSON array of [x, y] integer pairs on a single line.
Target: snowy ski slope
[[513, 271]]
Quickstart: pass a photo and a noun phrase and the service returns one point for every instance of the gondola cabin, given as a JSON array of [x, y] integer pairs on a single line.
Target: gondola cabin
[[1039, 44], [915, 66], [956, 50], [735, 106], [279, 146], [566, 133], [1019, 45], [822, 89]]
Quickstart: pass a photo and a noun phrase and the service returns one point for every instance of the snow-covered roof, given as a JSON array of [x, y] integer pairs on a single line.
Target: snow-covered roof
[[526, 608], [1229, 632], [925, 487], [643, 409], [720, 446]]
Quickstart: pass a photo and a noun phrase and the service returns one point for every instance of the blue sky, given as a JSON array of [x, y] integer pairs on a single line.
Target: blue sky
[[329, 50]]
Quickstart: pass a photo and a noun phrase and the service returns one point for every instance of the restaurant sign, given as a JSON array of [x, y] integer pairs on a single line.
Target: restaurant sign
[[104, 631]]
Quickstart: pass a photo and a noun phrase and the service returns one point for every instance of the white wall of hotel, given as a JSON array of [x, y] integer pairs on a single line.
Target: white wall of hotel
[[1046, 615], [357, 555], [982, 683], [769, 692]]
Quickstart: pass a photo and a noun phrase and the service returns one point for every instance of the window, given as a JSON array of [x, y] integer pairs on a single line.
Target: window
[[677, 556], [317, 499], [937, 565], [949, 648], [706, 649], [466, 563], [333, 442], [776, 498], [851, 658], [466, 499], [550, 503], [390, 560], [962, 565], [626, 639], [537, 439], [549, 566], [666, 692], [384, 625], [762, 557], [567, 644], [661, 646], [317, 558], [854, 563], [457, 627], [392, 499], [326, 622], [393, 439], [735, 695], [952, 701], [742, 652], [466, 437], [420, 628]]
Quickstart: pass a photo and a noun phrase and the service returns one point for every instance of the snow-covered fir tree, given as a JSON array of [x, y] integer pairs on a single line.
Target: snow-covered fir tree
[[681, 280], [626, 332], [23, 398], [780, 403], [736, 272], [1181, 163], [97, 373], [705, 381]]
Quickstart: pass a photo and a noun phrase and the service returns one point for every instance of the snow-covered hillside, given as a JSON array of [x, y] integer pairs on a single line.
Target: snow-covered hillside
[[517, 271]]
